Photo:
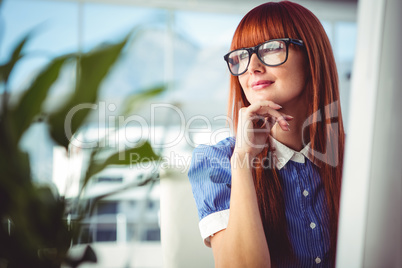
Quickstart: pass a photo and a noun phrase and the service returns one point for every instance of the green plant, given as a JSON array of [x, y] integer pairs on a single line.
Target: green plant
[[34, 232]]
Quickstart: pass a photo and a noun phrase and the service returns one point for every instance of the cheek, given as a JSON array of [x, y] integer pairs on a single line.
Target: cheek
[[295, 78], [298, 80], [297, 67], [243, 81], [295, 86]]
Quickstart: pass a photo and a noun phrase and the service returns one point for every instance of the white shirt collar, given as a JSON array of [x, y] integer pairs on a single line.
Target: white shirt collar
[[283, 154]]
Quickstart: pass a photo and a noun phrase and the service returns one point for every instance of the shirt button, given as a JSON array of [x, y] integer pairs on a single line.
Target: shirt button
[[305, 193], [312, 225], [317, 260]]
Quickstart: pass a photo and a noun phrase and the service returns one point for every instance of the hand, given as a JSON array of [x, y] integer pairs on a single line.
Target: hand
[[255, 124]]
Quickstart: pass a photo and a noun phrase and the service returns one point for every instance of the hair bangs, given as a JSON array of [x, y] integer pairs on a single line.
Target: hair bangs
[[265, 22]]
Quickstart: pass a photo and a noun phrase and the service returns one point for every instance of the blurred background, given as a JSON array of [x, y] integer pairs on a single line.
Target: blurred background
[[177, 45]]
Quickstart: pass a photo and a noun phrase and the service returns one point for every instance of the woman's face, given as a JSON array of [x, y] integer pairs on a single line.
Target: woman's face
[[283, 84]]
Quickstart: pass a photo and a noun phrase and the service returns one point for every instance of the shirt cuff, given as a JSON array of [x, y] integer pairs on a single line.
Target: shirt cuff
[[212, 224]]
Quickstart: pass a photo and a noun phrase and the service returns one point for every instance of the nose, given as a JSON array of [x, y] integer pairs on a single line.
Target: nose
[[255, 64]]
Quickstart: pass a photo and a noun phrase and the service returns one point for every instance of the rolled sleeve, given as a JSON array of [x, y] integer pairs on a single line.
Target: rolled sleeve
[[212, 224]]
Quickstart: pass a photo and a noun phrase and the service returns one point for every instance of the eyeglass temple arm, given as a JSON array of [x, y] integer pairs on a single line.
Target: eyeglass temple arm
[[296, 42]]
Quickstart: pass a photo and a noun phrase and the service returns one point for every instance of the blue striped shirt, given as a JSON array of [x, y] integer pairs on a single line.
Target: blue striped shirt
[[304, 195]]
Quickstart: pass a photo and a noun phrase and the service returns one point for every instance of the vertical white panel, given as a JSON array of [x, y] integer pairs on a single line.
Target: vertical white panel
[[169, 50], [182, 244], [121, 228], [370, 232], [383, 245], [355, 186]]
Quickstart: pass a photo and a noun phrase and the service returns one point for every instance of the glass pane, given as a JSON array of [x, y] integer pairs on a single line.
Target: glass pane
[[104, 208], [203, 74], [346, 33], [56, 32], [106, 235], [328, 29], [106, 22], [142, 65]]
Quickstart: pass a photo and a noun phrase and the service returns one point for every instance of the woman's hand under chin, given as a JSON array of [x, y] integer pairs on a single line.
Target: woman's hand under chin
[[254, 125]]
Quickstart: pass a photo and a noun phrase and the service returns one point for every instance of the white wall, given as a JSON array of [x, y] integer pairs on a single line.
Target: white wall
[[370, 231]]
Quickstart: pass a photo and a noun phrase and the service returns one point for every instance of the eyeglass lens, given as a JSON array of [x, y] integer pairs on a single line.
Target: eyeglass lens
[[270, 53]]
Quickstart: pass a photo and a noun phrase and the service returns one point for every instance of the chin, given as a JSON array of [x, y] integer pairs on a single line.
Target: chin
[[267, 98]]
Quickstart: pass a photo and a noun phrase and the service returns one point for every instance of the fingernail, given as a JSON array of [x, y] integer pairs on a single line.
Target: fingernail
[[289, 116]]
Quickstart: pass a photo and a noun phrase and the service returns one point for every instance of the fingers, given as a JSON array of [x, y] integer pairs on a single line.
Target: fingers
[[264, 114], [283, 121], [263, 106]]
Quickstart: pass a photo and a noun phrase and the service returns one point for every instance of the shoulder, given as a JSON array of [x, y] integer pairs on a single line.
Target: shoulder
[[207, 156], [210, 177], [225, 146]]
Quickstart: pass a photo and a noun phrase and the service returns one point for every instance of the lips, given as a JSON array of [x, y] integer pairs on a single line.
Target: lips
[[261, 84]]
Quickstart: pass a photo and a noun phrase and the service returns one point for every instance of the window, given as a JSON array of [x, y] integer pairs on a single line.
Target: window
[[153, 235], [104, 208], [109, 179], [106, 235]]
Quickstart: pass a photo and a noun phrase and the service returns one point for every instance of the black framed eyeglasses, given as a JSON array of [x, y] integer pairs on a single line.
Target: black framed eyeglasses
[[271, 53]]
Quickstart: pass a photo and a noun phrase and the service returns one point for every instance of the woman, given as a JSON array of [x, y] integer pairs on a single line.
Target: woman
[[280, 176]]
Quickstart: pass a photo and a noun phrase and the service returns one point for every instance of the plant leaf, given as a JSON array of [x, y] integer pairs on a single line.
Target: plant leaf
[[93, 67], [133, 156], [5, 69], [32, 99], [135, 101]]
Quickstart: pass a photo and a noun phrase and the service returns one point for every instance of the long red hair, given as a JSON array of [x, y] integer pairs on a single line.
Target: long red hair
[[324, 127]]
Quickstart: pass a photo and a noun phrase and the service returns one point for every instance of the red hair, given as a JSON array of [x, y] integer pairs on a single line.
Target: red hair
[[288, 19]]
